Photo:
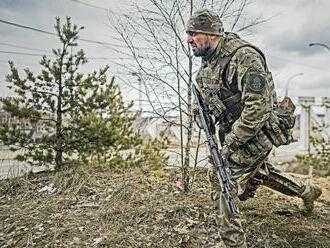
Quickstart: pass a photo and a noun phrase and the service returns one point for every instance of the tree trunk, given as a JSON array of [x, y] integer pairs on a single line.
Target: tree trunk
[[59, 141], [189, 119]]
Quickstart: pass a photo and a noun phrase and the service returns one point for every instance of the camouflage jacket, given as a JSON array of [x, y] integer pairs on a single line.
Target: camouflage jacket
[[236, 68]]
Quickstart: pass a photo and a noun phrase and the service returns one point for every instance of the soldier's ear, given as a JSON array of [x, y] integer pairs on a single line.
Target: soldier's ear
[[214, 37]]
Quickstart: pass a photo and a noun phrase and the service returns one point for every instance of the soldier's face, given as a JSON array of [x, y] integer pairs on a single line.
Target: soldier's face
[[200, 43]]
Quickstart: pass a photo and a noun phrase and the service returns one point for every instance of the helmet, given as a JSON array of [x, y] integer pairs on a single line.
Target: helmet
[[205, 21]]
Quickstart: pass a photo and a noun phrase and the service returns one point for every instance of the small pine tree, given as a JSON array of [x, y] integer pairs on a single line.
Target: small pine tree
[[105, 126], [83, 116]]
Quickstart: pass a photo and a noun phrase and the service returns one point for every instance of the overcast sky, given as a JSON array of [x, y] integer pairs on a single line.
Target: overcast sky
[[284, 38]]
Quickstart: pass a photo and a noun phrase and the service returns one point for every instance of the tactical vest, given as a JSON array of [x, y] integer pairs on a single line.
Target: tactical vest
[[223, 96], [225, 100]]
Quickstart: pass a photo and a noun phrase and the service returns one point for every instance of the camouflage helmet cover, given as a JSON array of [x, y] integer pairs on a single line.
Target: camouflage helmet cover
[[205, 21]]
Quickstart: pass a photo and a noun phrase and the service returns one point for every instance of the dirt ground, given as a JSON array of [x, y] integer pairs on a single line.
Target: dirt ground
[[101, 207]]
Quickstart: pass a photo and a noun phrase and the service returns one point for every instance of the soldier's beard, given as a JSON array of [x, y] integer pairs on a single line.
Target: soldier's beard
[[202, 51]]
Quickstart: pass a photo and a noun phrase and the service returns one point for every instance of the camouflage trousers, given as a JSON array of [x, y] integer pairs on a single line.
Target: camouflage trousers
[[249, 169]]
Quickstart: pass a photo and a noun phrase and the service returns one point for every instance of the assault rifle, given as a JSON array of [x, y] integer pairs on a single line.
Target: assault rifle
[[220, 164]]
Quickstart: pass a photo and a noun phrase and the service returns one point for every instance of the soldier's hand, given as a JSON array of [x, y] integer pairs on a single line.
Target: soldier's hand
[[225, 152], [231, 142]]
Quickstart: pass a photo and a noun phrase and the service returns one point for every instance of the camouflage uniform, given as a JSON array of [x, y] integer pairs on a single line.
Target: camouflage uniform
[[239, 91]]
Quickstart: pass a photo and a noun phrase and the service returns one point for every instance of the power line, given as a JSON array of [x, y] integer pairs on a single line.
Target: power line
[[20, 53], [54, 34], [23, 47], [97, 7], [50, 33], [92, 5], [26, 27], [41, 50], [40, 55]]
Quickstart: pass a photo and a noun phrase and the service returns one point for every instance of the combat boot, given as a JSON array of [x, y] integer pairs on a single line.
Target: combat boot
[[310, 194]]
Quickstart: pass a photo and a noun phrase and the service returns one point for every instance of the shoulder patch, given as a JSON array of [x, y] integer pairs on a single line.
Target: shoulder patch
[[255, 81]]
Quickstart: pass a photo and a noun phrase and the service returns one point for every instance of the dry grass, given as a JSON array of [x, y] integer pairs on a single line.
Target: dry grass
[[100, 207]]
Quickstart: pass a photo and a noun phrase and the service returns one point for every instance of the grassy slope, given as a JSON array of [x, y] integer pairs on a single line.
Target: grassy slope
[[108, 208]]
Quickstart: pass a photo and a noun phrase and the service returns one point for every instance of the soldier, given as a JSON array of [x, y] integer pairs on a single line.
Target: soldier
[[239, 91]]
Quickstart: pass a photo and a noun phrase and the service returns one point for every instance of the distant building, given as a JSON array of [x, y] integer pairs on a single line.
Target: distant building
[[39, 128]]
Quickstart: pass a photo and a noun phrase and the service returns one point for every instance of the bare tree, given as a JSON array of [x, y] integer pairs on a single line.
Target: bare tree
[[158, 52]]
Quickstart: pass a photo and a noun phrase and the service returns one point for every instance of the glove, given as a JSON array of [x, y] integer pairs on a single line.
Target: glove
[[225, 152]]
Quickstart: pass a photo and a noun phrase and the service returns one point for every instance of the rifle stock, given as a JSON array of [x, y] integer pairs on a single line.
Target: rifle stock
[[220, 164]]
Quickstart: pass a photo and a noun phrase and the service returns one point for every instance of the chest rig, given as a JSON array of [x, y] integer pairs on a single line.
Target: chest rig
[[218, 86]]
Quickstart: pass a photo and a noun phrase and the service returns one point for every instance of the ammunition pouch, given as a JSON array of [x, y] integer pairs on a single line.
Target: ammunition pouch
[[278, 128], [215, 105]]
